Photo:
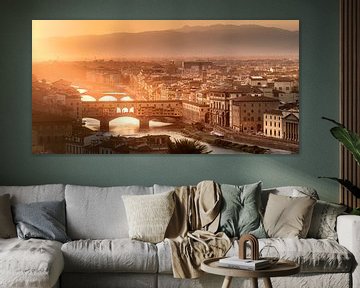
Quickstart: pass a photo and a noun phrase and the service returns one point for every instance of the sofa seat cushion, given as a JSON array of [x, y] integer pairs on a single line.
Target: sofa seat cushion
[[115, 255], [30, 263], [313, 255]]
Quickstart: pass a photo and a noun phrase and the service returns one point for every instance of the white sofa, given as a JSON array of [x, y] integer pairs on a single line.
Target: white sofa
[[101, 255]]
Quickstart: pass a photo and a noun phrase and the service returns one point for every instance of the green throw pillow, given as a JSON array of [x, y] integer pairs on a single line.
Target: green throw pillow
[[240, 213]]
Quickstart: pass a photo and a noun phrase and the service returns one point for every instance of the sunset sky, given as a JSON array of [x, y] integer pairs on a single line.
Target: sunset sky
[[65, 28]]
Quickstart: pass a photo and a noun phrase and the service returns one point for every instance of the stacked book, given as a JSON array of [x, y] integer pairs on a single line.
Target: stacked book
[[248, 264]]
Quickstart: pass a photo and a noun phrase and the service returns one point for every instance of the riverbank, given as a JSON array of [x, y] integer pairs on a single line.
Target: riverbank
[[205, 136]]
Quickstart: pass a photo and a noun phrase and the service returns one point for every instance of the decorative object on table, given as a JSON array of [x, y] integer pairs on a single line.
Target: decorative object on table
[[254, 246], [269, 253], [247, 264], [351, 142], [241, 261]]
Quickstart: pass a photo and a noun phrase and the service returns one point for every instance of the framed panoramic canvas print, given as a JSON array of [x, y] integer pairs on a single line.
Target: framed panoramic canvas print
[[165, 86]]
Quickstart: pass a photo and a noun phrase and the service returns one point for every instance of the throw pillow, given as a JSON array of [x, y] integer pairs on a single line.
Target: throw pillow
[[288, 217], [149, 215], [7, 227], [43, 220], [240, 213], [323, 222]]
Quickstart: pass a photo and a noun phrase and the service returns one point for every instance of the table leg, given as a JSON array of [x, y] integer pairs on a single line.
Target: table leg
[[254, 282], [267, 283], [227, 282]]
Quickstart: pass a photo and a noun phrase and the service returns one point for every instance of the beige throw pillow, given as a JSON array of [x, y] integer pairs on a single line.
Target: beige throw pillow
[[288, 217], [7, 226], [149, 215]]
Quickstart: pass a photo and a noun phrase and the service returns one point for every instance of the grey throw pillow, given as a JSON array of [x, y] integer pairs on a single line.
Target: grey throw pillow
[[240, 213], [44, 220], [323, 222], [7, 226]]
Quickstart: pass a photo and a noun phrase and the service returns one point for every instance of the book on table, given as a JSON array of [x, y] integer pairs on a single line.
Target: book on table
[[249, 264]]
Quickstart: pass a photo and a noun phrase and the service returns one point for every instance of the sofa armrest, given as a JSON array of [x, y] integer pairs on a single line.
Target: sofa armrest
[[348, 230]]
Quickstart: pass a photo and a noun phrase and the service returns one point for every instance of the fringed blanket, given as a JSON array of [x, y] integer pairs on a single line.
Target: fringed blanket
[[191, 231]]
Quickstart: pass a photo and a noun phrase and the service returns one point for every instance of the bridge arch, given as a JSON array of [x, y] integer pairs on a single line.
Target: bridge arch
[[105, 111], [107, 98], [124, 120], [88, 98]]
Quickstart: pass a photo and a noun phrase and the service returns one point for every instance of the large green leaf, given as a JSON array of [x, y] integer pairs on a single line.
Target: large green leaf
[[348, 185], [348, 138]]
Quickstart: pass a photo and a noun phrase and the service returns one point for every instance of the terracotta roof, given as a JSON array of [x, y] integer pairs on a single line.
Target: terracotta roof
[[274, 112], [257, 77], [239, 89], [284, 79], [196, 104], [254, 99], [47, 117]]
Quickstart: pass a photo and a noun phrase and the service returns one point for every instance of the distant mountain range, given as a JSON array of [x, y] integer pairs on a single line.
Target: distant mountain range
[[188, 41]]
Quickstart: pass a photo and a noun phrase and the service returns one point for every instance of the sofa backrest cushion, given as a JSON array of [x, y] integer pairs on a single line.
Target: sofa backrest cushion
[[36, 193], [163, 188], [291, 191], [98, 212]]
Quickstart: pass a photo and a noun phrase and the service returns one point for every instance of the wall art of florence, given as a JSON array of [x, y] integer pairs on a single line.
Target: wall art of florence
[[165, 86]]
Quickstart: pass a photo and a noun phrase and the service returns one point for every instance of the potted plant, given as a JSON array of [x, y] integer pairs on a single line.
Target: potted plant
[[351, 141]]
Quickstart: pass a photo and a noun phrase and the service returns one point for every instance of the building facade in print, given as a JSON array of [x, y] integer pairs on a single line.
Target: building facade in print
[[49, 132], [195, 112], [257, 81], [102, 143], [291, 127], [284, 84], [282, 124], [273, 124], [247, 112], [220, 103]]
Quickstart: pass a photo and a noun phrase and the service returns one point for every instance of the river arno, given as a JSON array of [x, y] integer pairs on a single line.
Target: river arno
[[127, 126]]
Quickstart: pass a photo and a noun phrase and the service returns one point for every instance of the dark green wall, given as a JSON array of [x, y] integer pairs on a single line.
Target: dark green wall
[[319, 96]]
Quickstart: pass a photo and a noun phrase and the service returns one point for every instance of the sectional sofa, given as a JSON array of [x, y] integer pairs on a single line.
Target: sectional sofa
[[101, 254]]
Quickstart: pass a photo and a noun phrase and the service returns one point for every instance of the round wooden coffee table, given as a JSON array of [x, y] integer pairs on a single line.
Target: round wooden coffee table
[[281, 268]]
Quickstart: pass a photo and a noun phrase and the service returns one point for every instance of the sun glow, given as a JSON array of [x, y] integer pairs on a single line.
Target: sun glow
[[126, 121], [107, 99], [87, 98], [127, 98], [91, 123]]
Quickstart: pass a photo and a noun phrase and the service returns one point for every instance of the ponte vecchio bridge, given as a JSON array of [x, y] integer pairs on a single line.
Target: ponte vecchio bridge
[[144, 111]]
